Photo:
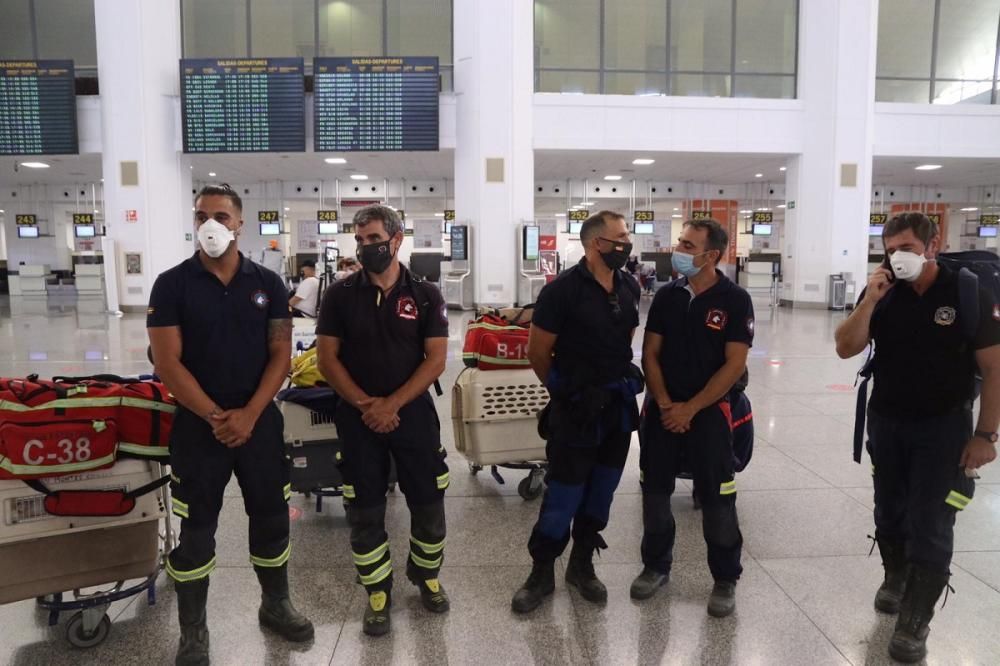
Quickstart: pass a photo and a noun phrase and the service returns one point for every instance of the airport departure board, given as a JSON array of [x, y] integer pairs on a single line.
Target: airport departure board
[[243, 105], [37, 108], [375, 104]]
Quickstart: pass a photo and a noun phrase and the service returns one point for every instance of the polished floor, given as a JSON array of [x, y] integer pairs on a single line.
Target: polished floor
[[805, 508]]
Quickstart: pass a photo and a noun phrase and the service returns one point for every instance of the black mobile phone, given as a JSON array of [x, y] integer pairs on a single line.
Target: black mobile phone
[[886, 265]]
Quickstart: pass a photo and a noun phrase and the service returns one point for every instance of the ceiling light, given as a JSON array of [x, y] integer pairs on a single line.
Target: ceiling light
[[287, 208], [780, 206], [557, 214], [758, 175], [676, 208], [927, 167], [964, 210], [782, 168], [763, 209], [438, 214], [102, 180], [358, 176], [612, 178], [335, 160], [211, 174], [643, 161], [96, 211], [586, 203], [675, 216], [746, 212], [35, 165]]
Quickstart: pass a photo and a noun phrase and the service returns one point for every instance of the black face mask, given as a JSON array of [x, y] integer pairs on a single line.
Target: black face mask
[[619, 254], [375, 258]]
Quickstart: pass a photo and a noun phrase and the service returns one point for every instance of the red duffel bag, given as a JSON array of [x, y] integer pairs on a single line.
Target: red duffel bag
[[40, 449], [493, 343]]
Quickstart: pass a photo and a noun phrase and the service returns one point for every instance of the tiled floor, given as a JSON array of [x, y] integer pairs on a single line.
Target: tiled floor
[[805, 509]]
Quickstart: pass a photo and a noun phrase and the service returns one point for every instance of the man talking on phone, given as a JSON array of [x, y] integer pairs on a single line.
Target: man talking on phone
[[923, 447]]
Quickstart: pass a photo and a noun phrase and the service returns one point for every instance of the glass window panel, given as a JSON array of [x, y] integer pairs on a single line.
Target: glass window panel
[[967, 39], [766, 36], [772, 87], [701, 35], [635, 83], [567, 33], [905, 31], [962, 92], [568, 82], [65, 29], [215, 28], [419, 28], [909, 92], [635, 35], [350, 28], [15, 29], [699, 85], [285, 29]]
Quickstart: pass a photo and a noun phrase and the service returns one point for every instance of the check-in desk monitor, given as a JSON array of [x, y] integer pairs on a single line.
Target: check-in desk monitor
[[530, 277], [457, 285]]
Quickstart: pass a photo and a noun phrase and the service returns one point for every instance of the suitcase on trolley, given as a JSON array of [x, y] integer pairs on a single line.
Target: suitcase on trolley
[[44, 554]]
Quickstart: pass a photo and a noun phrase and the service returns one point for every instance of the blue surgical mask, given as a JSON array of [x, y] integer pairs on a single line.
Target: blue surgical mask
[[683, 263]]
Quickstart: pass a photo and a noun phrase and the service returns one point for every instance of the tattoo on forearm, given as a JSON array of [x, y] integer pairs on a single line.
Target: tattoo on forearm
[[279, 329]]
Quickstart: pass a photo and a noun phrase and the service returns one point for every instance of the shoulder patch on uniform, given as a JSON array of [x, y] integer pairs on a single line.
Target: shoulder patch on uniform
[[150, 311], [944, 316], [406, 308], [750, 325], [260, 299], [996, 312], [444, 312], [716, 319]]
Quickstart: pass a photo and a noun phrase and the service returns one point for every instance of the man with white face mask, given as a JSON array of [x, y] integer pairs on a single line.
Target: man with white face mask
[[923, 447], [220, 333]]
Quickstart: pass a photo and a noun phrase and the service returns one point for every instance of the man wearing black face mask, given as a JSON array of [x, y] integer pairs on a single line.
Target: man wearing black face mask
[[382, 338], [580, 347]]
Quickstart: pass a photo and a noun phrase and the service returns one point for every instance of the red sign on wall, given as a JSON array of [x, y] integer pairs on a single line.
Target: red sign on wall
[[131, 216]]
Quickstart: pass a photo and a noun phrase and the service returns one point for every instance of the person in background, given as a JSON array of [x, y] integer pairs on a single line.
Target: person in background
[[306, 298]]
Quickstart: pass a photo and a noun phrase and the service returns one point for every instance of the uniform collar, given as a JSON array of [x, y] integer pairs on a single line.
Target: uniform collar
[[585, 270], [246, 266], [405, 277], [723, 285]]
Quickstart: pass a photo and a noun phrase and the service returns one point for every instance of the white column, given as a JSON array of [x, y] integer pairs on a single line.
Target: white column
[[827, 230], [494, 86], [138, 49]]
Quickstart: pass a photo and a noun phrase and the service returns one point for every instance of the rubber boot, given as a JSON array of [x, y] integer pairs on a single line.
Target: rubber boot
[[541, 583], [923, 589], [276, 610], [191, 600], [377, 621], [890, 594], [580, 572]]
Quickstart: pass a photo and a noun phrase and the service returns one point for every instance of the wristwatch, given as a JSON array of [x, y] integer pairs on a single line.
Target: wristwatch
[[990, 437]]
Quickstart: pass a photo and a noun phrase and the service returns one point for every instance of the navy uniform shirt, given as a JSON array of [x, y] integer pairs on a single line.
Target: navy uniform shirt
[[224, 328], [695, 331], [924, 363], [382, 334], [594, 327]]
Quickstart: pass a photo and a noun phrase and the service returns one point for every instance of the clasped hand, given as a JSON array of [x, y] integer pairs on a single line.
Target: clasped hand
[[379, 414], [676, 417], [233, 427]]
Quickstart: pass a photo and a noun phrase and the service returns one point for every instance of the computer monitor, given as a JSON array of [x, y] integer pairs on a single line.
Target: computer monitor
[[328, 228], [988, 232], [575, 227], [426, 265], [270, 229], [27, 232], [643, 228], [84, 230], [762, 230], [459, 243], [447, 227], [875, 229], [529, 246]]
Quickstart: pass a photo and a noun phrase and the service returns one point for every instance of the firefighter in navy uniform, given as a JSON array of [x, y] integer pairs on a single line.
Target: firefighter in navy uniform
[[923, 447], [581, 348], [382, 340], [698, 335], [220, 333]]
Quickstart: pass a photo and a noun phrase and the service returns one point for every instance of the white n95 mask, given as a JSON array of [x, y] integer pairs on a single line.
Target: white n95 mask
[[214, 238], [907, 265]]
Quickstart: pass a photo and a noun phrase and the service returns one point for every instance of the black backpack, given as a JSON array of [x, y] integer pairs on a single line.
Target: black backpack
[[974, 268]]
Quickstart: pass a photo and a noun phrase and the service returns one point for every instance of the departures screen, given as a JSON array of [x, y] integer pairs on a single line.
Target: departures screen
[[37, 108]]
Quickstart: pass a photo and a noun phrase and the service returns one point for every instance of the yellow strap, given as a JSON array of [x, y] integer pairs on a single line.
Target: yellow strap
[[425, 564], [50, 470], [495, 327], [149, 404], [503, 361], [272, 562], [429, 548], [144, 451], [61, 403], [378, 575], [367, 559], [194, 574]]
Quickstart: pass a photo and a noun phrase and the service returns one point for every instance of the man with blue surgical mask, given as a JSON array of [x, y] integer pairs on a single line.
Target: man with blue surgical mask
[[698, 334]]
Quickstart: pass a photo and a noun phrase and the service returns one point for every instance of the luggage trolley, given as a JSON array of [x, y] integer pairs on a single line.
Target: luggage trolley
[[52, 555], [494, 416]]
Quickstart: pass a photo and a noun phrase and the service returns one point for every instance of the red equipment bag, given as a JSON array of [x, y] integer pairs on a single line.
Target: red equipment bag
[[40, 449], [493, 343], [105, 503]]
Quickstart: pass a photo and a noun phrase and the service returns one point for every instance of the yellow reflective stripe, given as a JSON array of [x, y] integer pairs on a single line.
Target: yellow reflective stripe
[[49, 470], [143, 450], [372, 557], [61, 403], [442, 481], [151, 405], [495, 327], [378, 575], [873, 469], [642, 476], [425, 564], [429, 548], [348, 491], [272, 562], [727, 488], [179, 507], [194, 574], [957, 500], [287, 490], [503, 361], [175, 478]]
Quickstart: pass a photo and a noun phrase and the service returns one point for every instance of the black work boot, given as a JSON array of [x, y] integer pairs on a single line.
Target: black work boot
[[540, 584], [580, 573], [432, 594], [890, 594], [276, 610], [722, 601], [377, 621], [923, 589], [647, 583], [191, 600]]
